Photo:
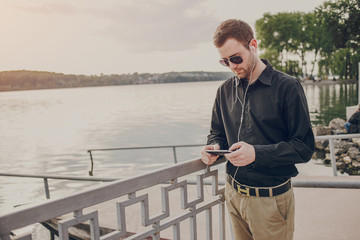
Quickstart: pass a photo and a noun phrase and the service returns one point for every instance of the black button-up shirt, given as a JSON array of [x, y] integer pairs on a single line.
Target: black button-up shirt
[[276, 122]]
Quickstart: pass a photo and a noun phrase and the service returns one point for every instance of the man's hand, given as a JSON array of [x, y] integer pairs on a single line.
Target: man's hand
[[243, 154], [209, 158]]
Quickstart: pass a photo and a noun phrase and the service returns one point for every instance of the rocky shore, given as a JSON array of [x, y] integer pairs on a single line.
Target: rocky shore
[[347, 151]]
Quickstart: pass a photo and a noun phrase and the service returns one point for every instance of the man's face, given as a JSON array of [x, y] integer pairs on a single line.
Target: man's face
[[234, 48]]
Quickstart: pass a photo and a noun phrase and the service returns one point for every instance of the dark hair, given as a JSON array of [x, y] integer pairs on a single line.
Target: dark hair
[[233, 28]]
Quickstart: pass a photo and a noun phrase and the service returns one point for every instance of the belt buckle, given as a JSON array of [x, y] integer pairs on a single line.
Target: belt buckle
[[245, 191]]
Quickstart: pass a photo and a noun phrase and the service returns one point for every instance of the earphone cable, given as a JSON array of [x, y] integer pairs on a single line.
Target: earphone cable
[[237, 82], [242, 115]]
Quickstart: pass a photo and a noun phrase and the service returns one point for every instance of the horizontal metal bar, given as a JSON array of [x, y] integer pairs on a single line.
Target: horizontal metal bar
[[146, 147], [60, 177], [323, 137], [189, 181], [331, 183], [335, 183], [340, 136]]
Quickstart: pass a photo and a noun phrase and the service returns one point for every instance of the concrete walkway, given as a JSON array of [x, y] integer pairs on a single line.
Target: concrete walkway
[[327, 213]]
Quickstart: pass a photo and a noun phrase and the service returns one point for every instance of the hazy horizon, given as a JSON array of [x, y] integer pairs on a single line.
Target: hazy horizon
[[119, 37]]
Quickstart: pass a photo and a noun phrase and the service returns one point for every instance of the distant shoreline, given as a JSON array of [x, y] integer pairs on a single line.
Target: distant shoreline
[[328, 82], [37, 80], [33, 80]]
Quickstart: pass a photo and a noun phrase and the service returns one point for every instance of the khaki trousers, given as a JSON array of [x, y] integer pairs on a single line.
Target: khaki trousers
[[261, 218]]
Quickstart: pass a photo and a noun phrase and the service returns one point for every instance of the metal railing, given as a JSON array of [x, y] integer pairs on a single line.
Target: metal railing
[[331, 139], [153, 226], [168, 179], [45, 178], [95, 179], [63, 177], [130, 187], [173, 147]]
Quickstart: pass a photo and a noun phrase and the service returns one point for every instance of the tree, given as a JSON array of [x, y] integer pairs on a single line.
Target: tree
[[341, 19], [316, 38], [284, 33], [331, 34], [273, 56]]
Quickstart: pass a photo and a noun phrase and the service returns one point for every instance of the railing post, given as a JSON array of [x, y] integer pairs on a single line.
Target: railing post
[[46, 185], [174, 151], [332, 155], [222, 221], [209, 232], [176, 231], [92, 164], [193, 228]]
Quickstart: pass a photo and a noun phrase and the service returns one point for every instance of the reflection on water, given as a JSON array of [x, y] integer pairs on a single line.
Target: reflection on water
[[50, 131], [327, 102]]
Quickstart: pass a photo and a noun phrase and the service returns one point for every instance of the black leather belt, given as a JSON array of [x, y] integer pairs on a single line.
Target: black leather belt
[[259, 191]]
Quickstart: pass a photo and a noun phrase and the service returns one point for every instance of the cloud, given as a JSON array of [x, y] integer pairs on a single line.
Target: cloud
[[48, 8], [160, 26], [140, 25]]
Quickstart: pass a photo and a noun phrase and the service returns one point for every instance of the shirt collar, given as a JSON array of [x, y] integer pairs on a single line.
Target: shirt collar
[[265, 76]]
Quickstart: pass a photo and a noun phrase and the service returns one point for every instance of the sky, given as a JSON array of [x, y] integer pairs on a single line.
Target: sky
[[93, 37]]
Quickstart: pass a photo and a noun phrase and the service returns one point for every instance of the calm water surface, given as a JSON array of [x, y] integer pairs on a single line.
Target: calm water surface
[[50, 131]]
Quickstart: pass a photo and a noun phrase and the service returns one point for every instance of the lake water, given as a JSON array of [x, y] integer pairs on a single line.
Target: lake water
[[50, 131]]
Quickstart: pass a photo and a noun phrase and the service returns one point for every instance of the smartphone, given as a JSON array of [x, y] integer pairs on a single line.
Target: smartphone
[[218, 152]]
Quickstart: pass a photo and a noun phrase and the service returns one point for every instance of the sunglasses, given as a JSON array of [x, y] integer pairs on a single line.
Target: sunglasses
[[235, 59]]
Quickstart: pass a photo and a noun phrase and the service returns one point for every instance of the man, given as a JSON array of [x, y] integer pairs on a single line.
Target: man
[[262, 116], [353, 125]]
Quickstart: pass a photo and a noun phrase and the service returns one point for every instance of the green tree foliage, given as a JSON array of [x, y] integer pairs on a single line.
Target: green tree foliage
[[282, 33], [342, 20], [330, 35]]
